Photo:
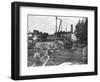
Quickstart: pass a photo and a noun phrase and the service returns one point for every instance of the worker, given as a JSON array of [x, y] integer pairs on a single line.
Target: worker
[[36, 58]]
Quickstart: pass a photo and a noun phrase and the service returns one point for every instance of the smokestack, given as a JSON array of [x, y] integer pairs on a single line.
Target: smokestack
[[66, 28], [72, 28]]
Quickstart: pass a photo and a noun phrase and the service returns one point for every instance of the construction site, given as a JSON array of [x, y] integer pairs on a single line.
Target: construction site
[[60, 48]]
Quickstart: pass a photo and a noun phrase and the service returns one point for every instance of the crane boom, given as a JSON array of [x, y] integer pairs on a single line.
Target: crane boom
[[60, 25]]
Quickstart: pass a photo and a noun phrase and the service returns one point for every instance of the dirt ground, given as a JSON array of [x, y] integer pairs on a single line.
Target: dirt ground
[[59, 57]]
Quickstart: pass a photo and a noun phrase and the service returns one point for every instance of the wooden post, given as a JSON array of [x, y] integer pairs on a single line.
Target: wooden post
[[56, 23]]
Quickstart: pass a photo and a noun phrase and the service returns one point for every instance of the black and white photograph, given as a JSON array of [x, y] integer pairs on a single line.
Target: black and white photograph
[[53, 40], [57, 40]]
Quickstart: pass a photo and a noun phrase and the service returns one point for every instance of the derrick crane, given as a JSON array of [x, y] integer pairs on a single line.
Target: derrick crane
[[59, 44]]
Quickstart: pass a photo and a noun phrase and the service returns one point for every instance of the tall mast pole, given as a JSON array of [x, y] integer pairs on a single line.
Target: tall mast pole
[[56, 29], [56, 23]]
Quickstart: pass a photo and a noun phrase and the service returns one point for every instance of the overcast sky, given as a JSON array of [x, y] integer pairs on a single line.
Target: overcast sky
[[48, 23]]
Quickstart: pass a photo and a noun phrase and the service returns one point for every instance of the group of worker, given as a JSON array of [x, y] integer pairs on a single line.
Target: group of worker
[[38, 60]]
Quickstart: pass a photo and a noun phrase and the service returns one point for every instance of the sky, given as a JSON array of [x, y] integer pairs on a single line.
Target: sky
[[48, 23]]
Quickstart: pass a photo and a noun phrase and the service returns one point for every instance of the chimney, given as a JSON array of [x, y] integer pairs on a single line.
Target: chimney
[[71, 28], [66, 28]]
